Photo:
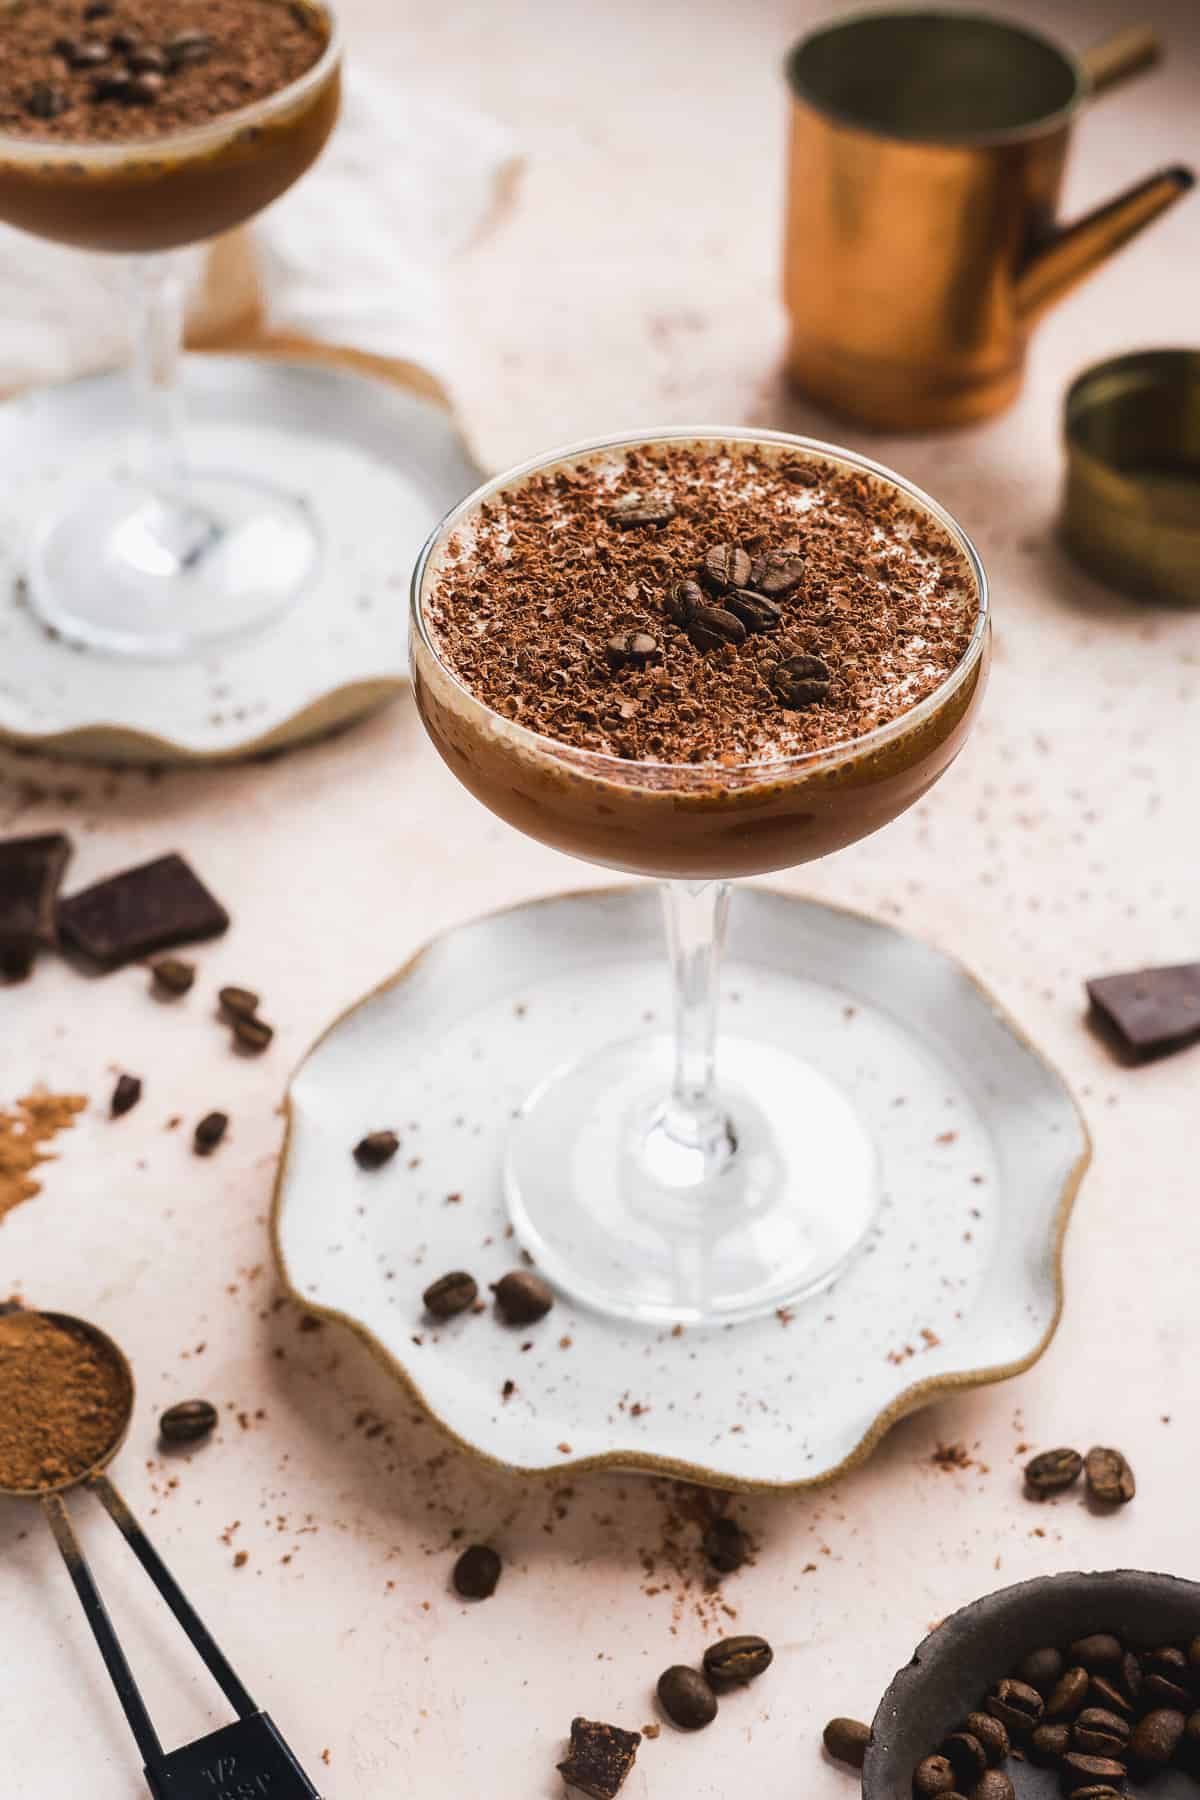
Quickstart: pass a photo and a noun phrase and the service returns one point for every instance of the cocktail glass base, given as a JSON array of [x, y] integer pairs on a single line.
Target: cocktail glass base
[[621, 1216]]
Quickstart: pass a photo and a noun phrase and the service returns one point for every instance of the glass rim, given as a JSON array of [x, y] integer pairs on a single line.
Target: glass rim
[[768, 768], [173, 145]]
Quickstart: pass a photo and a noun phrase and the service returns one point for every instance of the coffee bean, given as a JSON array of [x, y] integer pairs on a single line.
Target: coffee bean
[[113, 87], [122, 42], [171, 975], [187, 1422], [711, 626], [1109, 1476], [248, 1034], [778, 573], [635, 648], [991, 1735], [476, 1572], [1131, 1675], [46, 102], [237, 1003], [725, 566], [144, 91], [847, 1740], [1192, 1732], [87, 55], [1157, 1737], [737, 1659], [1098, 1732], [801, 681], [684, 600], [125, 1095], [1041, 1669], [302, 14], [686, 1698], [725, 1545], [641, 509], [146, 60], [993, 1784], [188, 47], [1079, 1771], [1103, 1692], [1158, 1691], [966, 1757], [756, 612], [1193, 1654], [450, 1294], [1053, 1471], [377, 1148], [209, 1133], [1169, 1662], [1018, 1706], [522, 1297], [933, 1778], [1049, 1742], [1098, 1653], [1069, 1693]]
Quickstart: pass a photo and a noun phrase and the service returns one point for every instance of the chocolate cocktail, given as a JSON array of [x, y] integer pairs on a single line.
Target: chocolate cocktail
[[697, 657]]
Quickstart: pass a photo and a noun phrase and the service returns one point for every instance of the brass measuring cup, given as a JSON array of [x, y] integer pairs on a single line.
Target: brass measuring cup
[[236, 1762], [927, 156]]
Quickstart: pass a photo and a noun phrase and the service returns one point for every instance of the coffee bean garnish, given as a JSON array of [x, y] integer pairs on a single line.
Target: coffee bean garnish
[[777, 574], [46, 102], [114, 87], [1098, 1653], [686, 1698], [451, 1294], [1098, 1732], [932, 1778], [801, 681], [993, 1784], [522, 1297], [737, 1659], [377, 1148], [1049, 1742], [641, 509], [238, 1002], [1053, 1471], [630, 649], [1069, 1693], [756, 612], [726, 1545], [966, 1757], [710, 627], [684, 600], [171, 975], [187, 1422], [725, 566], [146, 60], [1079, 1770], [250, 1034], [125, 1095], [477, 1572], [1109, 1476], [144, 90], [188, 47], [601, 1757], [1018, 1706], [847, 1740], [86, 55], [991, 1735], [209, 1132], [1041, 1669]]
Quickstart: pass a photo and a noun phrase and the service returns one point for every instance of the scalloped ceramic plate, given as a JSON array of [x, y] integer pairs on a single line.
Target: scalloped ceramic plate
[[961, 1283], [379, 464]]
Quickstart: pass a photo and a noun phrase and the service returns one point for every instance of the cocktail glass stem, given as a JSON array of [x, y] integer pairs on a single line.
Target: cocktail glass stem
[[690, 1139], [157, 317]]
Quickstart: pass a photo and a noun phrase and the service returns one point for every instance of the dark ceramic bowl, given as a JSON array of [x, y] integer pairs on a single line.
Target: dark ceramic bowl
[[970, 1651]]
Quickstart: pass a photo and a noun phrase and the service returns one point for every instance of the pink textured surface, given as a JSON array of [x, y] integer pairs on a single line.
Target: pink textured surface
[[632, 283]]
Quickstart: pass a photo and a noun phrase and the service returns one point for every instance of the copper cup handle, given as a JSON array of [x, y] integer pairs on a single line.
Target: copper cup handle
[[1118, 58]]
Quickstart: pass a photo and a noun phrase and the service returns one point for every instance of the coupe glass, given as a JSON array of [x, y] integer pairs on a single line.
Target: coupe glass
[[652, 1179], [161, 555]]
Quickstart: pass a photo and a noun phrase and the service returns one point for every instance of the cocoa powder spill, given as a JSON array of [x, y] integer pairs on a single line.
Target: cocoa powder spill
[[538, 589], [62, 1402], [23, 1133]]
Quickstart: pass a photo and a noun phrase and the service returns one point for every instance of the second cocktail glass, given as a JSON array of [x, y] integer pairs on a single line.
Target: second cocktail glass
[[654, 1178]]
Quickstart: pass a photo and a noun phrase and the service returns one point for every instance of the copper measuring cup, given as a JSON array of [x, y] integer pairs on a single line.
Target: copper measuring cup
[[237, 1762], [927, 156]]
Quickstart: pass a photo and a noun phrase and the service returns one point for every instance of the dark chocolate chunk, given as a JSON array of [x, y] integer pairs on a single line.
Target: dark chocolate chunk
[[125, 1095], [1152, 1011], [31, 869], [150, 908], [601, 1757]]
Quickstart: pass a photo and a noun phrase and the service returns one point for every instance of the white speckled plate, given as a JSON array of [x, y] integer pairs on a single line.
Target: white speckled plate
[[982, 1149], [379, 465]]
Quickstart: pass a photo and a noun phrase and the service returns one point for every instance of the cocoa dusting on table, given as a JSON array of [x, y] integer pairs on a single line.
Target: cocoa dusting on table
[[37, 1119], [70, 74], [62, 1402], [567, 607]]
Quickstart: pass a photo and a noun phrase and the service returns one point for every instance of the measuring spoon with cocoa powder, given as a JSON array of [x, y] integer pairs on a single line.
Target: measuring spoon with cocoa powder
[[70, 1392]]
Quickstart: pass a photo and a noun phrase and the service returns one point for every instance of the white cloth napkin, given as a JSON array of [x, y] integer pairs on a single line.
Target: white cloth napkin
[[351, 259]]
